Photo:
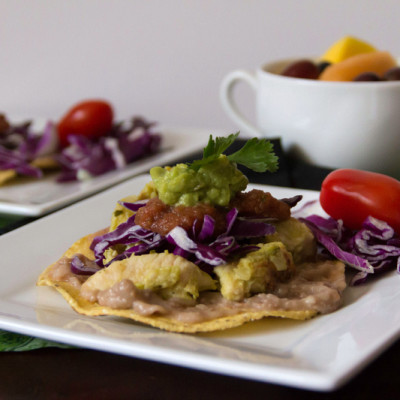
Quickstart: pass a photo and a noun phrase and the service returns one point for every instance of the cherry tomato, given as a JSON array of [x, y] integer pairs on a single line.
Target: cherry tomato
[[352, 195], [91, 118]]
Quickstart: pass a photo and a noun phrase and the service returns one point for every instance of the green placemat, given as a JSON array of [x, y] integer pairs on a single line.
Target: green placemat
[[9, 222], [15, 342], [8, 219]]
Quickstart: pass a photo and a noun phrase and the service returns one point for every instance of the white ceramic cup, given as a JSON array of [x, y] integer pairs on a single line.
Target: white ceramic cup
[[330, 124]]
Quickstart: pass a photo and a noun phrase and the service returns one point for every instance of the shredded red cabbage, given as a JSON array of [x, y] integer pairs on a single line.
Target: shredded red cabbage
[[133, 206], [292, 201], [203, 247], [139, 239], [83, 267], [183, 243], [250, 227], [85, 157], [19, 146], [372, 249]]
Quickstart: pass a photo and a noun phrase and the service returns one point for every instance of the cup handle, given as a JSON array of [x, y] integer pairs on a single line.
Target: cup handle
[[229, 104]]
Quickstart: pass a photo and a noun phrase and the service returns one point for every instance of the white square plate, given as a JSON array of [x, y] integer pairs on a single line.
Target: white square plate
[[35, 197], [319, 354]]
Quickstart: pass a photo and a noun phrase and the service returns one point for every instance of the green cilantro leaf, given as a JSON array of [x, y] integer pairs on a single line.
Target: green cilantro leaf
[[256, 154], [217, 147], [213, 149], [15, 342]]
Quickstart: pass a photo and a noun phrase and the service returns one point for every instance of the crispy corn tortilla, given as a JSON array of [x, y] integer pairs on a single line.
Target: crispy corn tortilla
[[6, 175], [82, 306], [45, 163]]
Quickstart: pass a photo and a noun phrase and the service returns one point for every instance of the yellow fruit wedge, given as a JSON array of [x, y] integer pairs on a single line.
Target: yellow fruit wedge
[[345, 48], [378, 62]]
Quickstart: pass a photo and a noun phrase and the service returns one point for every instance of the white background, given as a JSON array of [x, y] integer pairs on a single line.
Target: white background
[[165, 59]]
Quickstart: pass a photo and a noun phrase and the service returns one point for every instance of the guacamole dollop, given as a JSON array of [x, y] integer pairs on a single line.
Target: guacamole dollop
[[213, 183]]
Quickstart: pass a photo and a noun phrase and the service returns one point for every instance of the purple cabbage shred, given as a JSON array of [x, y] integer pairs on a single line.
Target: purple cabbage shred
[[292, 201], [19, 146], [85, 158], [371, 250]]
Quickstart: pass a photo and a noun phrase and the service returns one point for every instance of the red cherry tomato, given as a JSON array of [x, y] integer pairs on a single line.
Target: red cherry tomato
[[91, 118], [352, 195]]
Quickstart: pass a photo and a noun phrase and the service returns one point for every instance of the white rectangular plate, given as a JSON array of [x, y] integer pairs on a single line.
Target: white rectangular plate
[[35, 197], [319, 354]]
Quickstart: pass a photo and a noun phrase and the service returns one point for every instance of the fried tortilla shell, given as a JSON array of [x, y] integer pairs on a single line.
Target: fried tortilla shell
[[6, 175], [45, 163]]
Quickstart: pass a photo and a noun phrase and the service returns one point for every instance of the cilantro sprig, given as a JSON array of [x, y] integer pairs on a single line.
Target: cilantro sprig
[[256, 154]]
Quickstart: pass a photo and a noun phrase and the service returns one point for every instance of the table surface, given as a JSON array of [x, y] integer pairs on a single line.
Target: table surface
[[85, 374]]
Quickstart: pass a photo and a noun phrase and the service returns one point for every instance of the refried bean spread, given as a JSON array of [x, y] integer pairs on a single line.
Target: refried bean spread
[[314, 286]]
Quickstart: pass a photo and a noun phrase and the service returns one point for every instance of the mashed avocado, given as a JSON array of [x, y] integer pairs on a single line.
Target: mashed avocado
[[296, 237], [213, 183], [163, 273], [255, 272]]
